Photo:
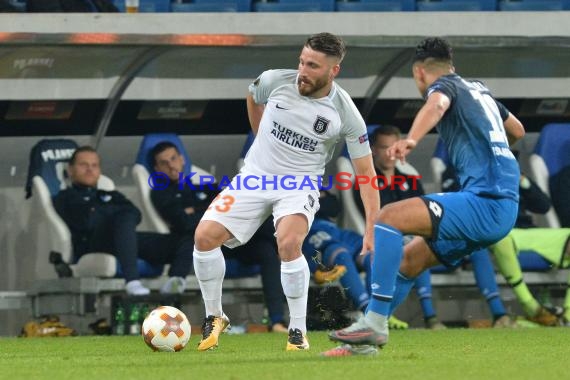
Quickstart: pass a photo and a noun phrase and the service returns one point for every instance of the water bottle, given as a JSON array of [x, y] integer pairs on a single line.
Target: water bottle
[[134, 320], [265, 318], [145, 311], [119, 320]]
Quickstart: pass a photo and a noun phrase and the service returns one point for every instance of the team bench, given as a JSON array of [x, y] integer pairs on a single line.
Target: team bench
[[80, 296]]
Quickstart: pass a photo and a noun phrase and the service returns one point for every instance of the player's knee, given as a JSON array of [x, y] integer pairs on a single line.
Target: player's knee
[[386, 215], [415, 262], [504, 247], [204, 238], [406, 266], [289, 247], [391, 214]]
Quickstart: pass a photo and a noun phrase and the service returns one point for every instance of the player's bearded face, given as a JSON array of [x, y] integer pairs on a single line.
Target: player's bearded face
[[308, 87], [315, 73]]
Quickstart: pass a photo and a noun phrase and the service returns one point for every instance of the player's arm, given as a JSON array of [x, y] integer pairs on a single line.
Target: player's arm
[[370, 198], [514, 129], [254, 113], [427, 118]]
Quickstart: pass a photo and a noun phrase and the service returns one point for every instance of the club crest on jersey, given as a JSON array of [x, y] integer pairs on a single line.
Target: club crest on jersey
[[321, 125]]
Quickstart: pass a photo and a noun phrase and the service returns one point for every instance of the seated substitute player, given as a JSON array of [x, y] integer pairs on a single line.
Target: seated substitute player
[[182, 206], [106, 221], [477, 131], [298, 117]]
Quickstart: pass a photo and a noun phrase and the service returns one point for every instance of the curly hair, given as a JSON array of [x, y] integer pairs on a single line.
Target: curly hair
[[434, 47]]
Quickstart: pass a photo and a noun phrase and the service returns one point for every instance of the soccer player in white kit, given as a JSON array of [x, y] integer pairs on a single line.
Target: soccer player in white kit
[[298, 117]]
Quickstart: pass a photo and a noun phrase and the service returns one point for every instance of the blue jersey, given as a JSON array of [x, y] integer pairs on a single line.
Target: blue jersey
[[472, 130]]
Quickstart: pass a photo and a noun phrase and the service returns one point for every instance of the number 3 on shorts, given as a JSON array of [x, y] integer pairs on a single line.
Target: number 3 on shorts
[[222, 203]]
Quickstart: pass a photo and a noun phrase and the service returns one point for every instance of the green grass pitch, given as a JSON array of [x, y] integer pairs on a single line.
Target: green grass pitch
[[541, 353]]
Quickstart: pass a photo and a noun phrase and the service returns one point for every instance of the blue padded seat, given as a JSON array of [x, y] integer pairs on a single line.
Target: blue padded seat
[[531, 261], [550, 157], [212, 6], [48, 159], [456, 5], [375, 5], [294, 6], [150, 140], [530, 5], [553, 146]]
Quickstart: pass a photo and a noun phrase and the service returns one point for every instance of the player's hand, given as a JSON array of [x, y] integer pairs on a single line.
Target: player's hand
[[400, 149]]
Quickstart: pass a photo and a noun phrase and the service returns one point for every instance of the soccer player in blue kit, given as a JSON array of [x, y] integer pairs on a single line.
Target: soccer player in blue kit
[[477, 131]]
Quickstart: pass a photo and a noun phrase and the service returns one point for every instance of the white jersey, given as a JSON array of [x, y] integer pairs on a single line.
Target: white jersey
[[297, 134]]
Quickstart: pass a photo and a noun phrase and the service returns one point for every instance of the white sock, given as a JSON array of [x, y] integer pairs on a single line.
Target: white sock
[[210, 268], [377, 322], [295, 281]]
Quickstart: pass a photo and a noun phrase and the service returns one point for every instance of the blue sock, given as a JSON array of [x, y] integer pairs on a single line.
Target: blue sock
[[388, 250], [423, 290], [485, 277], [351, 281], [403, 287]]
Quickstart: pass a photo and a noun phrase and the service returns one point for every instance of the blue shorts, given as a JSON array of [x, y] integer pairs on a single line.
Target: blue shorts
[[464, 222], [324, 234]]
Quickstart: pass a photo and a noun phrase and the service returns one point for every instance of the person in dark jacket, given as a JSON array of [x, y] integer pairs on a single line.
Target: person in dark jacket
[[182, 207], [106, 221]]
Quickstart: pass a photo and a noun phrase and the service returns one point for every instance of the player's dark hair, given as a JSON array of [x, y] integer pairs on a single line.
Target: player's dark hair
[[384, 130], [81, 149], [327, 43], [159, 148], [435, 48]]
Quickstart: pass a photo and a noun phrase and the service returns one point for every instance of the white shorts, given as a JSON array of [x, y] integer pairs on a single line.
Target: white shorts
[[242, 211]]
